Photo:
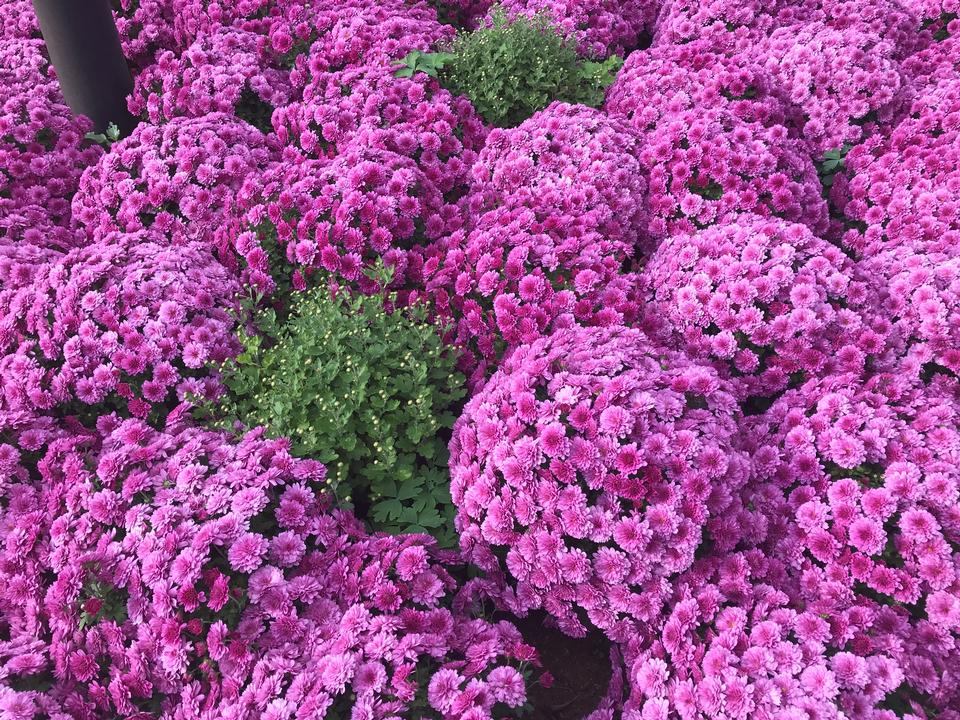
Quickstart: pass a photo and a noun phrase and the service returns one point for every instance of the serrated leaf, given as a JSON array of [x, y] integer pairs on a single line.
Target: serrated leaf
[[388, 510], [410, 488]]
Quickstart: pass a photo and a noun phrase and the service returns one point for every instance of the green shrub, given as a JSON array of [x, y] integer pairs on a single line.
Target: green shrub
[[370, 393], [515, 67]]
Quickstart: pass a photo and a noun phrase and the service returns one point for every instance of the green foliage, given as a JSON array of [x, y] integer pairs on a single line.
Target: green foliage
[[370, 393], [107, 138], [710, 190], [515, 67], [419, 61], [832, 163]]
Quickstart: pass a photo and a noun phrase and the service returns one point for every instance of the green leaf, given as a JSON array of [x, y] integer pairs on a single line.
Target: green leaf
[[430, 518], [411, 488], [389, 509]]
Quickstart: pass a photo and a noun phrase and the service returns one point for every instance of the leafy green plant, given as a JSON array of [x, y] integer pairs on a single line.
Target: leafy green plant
[[832, 163], [107, 138], [515, 67], [419, 61], [370, 393]]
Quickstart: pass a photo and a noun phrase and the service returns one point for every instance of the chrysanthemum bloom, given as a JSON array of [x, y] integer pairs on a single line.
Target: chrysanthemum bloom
[[600, 28], [865, 476], [568, 164], [734, 644], [901, 190], [765, 300], [671, 78], [843, 81], [514, 278], [226, 71], [339, 217], [586, 474], [413, 116], [145, 28], [183, 177], [133, 318], [42, 148], [703, 164], [919, 293], [730, 26]]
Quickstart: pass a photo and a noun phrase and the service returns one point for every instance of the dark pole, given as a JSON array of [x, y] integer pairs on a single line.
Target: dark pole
[[84, 46]]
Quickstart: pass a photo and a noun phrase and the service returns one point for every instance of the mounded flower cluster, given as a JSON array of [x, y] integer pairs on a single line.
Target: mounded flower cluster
[[369, 105], [370, 32], [145, 28], [901, 189], [920, 290], [184, 178], [725, 25], [765, 300], [865, 474], [844, 81], [376, 166], [132, 318], [734, 646], [706, 164], [42, 148], [568, 164], [342, 215], [558, 208], [586, 473], [671, 78], [225, 71], [600, 27]]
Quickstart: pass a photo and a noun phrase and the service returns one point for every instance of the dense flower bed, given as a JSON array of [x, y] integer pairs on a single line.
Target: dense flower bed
[[42, 151], [710, 331]]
